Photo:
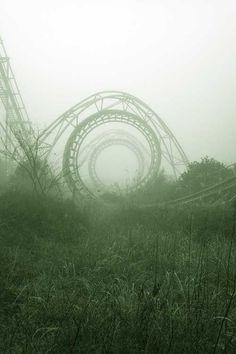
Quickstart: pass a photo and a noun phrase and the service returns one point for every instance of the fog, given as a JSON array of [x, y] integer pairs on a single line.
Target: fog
[[177, 56]]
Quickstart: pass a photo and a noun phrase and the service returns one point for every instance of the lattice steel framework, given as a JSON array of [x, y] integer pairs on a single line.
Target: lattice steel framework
[[70, 160], [113, 106], [96, 110], [111, 142], [15, 120]]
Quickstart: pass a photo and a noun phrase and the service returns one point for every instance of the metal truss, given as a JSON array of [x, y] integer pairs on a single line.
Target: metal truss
[[72, 149], [86, 116], [10, 94], [110, 135], [110, 106], [111, 142], [219, 191], [16, 116], [90, 153], [172, 152]]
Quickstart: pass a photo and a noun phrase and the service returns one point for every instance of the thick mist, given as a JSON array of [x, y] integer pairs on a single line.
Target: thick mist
[[178, 56], [118, 220]]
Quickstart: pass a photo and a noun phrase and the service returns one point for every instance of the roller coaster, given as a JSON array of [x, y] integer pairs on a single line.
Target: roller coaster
[[94, 125]]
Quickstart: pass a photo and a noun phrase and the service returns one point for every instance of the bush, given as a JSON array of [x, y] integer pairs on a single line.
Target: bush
[[41, 216]]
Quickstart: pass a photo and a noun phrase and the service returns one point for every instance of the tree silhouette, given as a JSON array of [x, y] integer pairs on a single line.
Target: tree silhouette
[[200, 175]]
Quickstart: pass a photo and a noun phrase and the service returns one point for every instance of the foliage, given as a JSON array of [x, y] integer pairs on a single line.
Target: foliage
[[37, 178], [159, 189], [3, 177], [197, 177], [114, 278], [33, 172], [200, 175], [40, 216], [160, 281]]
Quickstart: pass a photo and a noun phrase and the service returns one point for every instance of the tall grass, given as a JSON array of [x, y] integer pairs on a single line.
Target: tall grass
[[121, 281]]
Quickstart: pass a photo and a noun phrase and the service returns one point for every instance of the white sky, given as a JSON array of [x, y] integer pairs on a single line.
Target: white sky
[[179, 56]]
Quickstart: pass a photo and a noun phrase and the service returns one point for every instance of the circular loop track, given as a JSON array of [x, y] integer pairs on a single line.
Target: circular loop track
[[73, 146], [112, 107]]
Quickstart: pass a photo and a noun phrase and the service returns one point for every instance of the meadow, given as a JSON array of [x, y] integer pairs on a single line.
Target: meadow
[[116, 280]]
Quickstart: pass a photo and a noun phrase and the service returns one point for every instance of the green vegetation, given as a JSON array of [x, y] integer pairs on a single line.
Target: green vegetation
[[116, 281], [197, 177], [115, 277], [203, 174]]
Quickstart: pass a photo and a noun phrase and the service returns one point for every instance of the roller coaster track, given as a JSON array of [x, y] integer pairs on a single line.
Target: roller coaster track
[[217, 190], [16, 117], [97, 109]]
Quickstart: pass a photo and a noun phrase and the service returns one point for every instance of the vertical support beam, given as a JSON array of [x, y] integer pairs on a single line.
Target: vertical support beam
[[16, 116], [8, 145]]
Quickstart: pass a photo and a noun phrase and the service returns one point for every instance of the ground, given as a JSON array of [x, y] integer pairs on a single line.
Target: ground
[[126, 281]]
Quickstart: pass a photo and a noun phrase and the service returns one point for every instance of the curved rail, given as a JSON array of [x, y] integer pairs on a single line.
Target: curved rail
[[220, 190], [129, 103], [111, 142], [17, 120], [72, 149], [110, 101]]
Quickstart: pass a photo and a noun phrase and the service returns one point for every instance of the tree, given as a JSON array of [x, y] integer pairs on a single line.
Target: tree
[[32, 172], [203, 174]]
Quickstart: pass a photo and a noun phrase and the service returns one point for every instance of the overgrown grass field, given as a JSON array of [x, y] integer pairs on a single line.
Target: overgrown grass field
[[127, 280]]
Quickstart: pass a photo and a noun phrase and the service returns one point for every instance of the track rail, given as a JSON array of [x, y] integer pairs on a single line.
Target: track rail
[[16, 121], [215, 192], [219, 188], [11, 97]]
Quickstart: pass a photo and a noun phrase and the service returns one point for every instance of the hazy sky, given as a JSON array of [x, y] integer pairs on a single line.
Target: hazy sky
[[179, 56]]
